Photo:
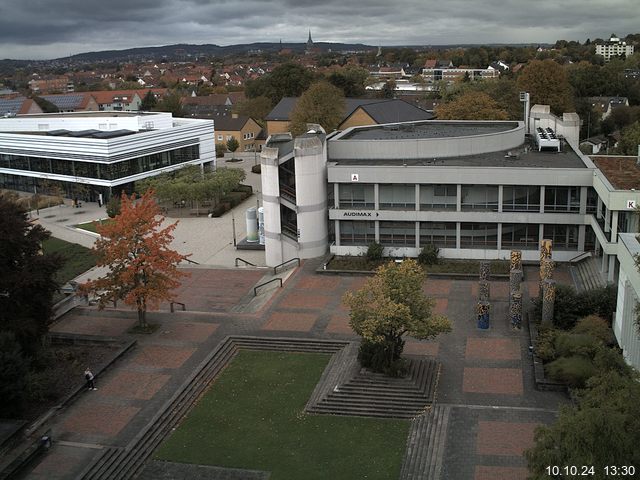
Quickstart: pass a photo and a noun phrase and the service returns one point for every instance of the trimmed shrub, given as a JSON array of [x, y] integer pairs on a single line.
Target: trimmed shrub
[[568, 344], [595, 326], [220, 209], [244, 188], [256, 169], [428, 255], [545, 347], [374, 251], [574, 370]]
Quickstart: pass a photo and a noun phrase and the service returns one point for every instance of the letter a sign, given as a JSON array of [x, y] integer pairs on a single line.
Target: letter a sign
[[355, 177]]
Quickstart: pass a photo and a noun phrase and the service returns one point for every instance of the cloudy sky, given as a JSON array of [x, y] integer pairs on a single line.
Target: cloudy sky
[[43, 29]]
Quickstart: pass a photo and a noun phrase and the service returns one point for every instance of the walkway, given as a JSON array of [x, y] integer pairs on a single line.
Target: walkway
[[486, 380]]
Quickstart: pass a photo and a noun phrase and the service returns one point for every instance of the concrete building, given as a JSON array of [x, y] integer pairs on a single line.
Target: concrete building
[[625, 325], [90, 153], [613, 48], [474, 189]]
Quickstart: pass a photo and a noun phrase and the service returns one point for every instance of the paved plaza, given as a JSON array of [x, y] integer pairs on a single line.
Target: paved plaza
[[485, 382], [486, 377]]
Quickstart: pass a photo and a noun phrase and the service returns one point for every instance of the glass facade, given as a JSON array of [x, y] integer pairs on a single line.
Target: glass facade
[[356, 196], [480, 197], [562, 199], [101, 171], [520, 199], [520, 235], [397, 197], [442, 235], [398, 234], [479, 235], [438, 197], [564, 237], [357, 233]]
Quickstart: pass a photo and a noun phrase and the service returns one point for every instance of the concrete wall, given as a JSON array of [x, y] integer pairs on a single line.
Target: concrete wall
[[624, 326], [274, 252]]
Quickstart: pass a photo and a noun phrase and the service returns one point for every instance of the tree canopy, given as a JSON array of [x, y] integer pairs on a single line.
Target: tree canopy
[[134, 247], [471, 105], [322, 103], [390, 305], [27, 282], [171, 102], [630, 140], [603, 429], [192, 184], [548, 84], [286, 80]]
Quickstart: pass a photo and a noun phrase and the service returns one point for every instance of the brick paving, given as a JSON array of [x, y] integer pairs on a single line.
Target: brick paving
[[486, 376], [502, 381]]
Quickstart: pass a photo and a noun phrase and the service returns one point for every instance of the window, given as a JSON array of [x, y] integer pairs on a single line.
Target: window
[[356, 196], [399, 234], [522, 235], [220, 138], [397, 197], [480, 197], [520, 199], [229, 137], [357, 233], [478, 235], [562, 199], [438, 197], [441, 235], [564, 237]]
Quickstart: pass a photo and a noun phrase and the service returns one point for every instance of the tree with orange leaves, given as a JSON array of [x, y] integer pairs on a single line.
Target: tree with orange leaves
[[143, 270]]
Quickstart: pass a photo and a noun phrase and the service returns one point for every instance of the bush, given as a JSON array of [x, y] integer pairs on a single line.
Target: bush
[[257, 169], [574, 370], [113, 206], [428, 255], [545, 346], [594, 326], [374, 251], [221, 149], [244, 188], [568, 344], [234, 198]]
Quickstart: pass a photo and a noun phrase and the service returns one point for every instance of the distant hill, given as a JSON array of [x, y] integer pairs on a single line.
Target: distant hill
[[179, 51]]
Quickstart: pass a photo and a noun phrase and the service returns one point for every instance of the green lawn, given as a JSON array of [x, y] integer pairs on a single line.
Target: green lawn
[[78, 259], [91, 226], [252, 418]]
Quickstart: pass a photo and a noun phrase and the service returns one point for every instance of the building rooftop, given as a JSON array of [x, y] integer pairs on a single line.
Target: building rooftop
[[525, 156], [89, 114], [436, 129], [622, 172]]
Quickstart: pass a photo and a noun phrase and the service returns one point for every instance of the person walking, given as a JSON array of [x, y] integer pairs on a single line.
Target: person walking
[[90, 379]]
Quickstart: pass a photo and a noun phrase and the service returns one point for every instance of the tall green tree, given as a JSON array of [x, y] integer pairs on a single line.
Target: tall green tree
[[257, 108], [232, 144], [322, 103], [27, 281], [630, 140], [548, 84], [286, 80], [392, 304], [171, 102], [602, 429], [471, 105], [148, 102], [351, 80]]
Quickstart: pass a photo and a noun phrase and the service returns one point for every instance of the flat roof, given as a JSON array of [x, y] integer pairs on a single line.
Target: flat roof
[[103, 113], [430, 129], [100, 134], [622, 172], [525, 156]]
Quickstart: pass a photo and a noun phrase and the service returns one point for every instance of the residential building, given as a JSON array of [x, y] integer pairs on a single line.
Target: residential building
[[44, 86], [452, 74], [73, 102], [606, 105], [124, 100], [244, 129], [15, 104], [614, 48], [358, 111], [98, 152]]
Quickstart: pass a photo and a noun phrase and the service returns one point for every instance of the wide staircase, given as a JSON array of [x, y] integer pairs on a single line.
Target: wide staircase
[[426, 445], [586, 273], [370, 394]]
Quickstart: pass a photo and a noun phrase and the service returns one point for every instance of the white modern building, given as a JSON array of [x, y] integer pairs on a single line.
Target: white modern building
[[614, 48], [475, 189], [104, 151], [625, 326]]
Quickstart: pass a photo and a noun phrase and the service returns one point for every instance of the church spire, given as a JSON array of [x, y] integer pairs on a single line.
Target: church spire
[[309, 41]]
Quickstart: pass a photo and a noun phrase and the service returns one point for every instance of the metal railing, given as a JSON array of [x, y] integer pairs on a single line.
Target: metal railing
[[255, 289], [275, 269], [244, 261], [184, 308]]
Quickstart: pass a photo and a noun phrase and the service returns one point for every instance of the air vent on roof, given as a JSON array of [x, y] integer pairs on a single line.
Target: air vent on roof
[[546, 139]]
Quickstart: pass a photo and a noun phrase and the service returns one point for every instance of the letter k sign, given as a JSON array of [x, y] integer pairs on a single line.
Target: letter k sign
[[631, 204]]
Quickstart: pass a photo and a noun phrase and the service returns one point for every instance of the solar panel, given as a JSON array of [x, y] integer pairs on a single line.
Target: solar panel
[[65, 102], [11, 105]]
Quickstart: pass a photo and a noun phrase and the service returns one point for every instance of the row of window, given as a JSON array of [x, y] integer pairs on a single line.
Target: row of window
[[472, 235], [473, 197], [103, 171]]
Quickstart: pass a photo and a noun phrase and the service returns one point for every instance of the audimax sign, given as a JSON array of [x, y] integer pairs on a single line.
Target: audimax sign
[[359, 214]]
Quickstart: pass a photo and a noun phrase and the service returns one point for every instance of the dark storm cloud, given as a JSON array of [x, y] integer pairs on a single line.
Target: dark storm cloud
[[54, 28]]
